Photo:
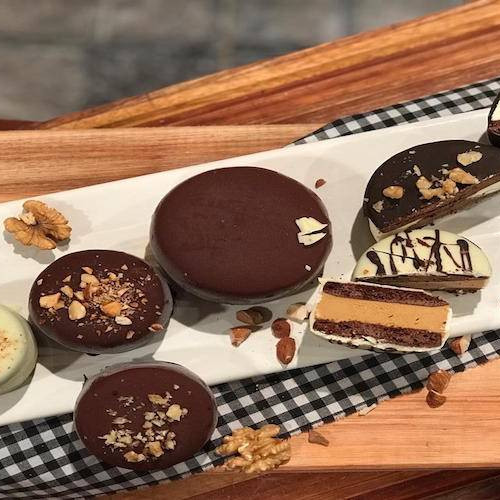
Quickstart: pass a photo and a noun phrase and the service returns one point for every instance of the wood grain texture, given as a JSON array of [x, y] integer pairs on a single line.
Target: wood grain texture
[[35, 162], [349, 75]]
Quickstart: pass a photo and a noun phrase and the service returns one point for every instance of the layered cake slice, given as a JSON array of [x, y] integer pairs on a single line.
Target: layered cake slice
[[380, 317], [428, 259], [429, 181]]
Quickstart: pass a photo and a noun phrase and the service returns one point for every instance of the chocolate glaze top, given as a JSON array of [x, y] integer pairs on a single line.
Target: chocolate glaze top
[[433, 160], [230, 234], [119, 398], [121, 278]]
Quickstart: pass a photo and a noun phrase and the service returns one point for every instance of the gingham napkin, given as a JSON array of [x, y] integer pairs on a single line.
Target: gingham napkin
[[44, 458]]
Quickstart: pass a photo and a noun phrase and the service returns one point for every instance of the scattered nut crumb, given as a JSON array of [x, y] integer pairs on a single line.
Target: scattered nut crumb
[[315, 437], [297, 312], [393, 192], [238, 335], [435, 400], [460, 345], [39, 226], [155, 327], [250, 316], [310, 239], [280, 328], [379, 206], [67, 290], [423, 183], [469, 157], [417, 170], [67, 279], [174, 412], [438, 381], [319, 183], [123, 320]]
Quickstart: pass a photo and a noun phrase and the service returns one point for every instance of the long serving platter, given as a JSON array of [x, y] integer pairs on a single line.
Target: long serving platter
[[116, 215]]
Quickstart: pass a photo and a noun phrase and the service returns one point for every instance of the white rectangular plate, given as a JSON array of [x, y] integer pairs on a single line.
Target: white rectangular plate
[[116, 215]]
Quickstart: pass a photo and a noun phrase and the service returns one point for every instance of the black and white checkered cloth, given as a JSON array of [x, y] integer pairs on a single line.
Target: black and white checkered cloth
[[45, 459]]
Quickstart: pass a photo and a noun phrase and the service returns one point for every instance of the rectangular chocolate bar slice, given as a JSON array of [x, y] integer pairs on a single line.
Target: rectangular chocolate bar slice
[[380, 317]]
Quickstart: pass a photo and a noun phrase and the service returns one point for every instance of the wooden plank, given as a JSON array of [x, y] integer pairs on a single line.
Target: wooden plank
[[36, 162], [403, 433], [350, 75]]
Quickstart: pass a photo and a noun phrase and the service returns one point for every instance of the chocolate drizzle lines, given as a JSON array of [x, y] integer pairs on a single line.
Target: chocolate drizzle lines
[[375, 260], [465, 255]]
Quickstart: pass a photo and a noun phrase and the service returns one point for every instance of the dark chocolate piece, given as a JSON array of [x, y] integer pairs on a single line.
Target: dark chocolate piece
[[229, 235], [434, 161], [494, 124], [145, 416], [123, 299]]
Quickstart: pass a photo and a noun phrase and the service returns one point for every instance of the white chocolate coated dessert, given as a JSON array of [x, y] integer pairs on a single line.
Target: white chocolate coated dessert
[[18, 350]]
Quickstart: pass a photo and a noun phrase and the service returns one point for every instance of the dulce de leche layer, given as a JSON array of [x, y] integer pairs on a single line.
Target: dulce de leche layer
[[389, 314]]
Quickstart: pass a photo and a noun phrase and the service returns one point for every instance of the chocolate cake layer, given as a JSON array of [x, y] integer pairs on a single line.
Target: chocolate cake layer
[[381, 294], [99, 301], [380, 317], [410, 337], [145, 416], [428, 181], [425, 258], [231, 235], [494, 123]]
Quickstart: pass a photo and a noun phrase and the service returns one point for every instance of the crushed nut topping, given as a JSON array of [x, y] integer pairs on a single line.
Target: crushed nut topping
[[258, 450], [462, 177], [39, 226], [378, 206], [469, 157], [155, 440]]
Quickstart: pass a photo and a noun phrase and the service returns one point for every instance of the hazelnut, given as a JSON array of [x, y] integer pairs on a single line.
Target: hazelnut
[[435, 400], [280, 328], [462, 177], [460, 345], [76, 311], [48, 301], [393, 192], [438, 381]]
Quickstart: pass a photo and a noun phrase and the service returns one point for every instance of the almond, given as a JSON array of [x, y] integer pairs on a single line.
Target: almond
[[239, 334], [76, 311], [280, 328], [285, 350], [48, 301], [87, 278], [250, 316], [111, 309], [435, 400], [438, 381], [297, 312], [123, 320]]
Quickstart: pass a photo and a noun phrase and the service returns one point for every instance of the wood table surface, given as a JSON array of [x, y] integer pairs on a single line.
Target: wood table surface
[[284, 98]]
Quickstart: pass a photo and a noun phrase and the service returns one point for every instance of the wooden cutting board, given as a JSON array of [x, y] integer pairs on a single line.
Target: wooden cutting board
[[402, 433]]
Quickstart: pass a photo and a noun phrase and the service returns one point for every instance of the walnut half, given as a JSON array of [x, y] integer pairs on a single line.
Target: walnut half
[[39, 226]]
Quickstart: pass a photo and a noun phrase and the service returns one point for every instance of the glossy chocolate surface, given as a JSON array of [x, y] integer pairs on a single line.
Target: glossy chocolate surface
[[433, 160], [122, 278], [229, 235], [122, 394]]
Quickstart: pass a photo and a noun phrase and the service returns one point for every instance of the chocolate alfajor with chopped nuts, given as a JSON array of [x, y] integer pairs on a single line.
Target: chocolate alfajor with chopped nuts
[[100, 301], [427, 182]]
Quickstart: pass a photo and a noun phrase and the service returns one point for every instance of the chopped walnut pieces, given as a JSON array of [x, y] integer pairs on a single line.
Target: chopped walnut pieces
[[428, 194], [450, 187], [462, 177], [258, 450], [423, 183], [39, 226], [393, 192], [469, 157], [49, 301], [156, 399], [174, 412], [154, 448]]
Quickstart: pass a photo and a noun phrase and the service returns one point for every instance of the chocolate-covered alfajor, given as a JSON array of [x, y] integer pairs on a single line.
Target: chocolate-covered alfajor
[[429, 181], [429, 259], [99, 301], [380, 317], [145, 416], [494, 123], [18, 350], [241, 235]]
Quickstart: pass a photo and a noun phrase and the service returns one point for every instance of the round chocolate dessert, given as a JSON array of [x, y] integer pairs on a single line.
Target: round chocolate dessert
[[100, 301], [241, 235], [145, 416]]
